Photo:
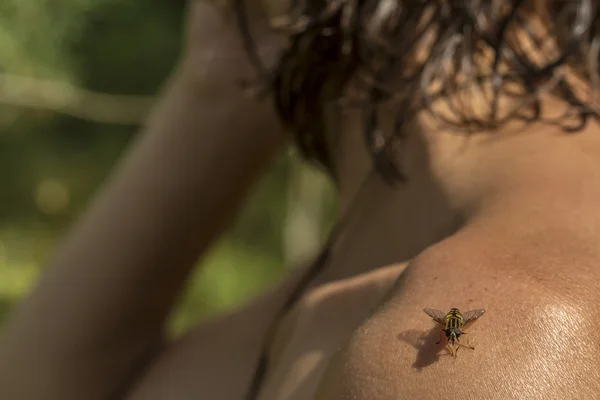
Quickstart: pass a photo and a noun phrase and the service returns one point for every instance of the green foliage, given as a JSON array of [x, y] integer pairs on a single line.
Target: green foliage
[[35, 34], [230, 274]]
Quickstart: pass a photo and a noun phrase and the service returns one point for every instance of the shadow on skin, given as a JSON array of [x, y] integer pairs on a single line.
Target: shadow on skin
[[428, 351]]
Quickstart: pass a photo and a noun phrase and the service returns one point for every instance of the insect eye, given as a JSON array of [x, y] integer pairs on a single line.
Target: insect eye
[[457, 332]]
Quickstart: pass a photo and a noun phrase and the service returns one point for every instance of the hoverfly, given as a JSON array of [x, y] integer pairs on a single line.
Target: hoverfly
[[454, 322]]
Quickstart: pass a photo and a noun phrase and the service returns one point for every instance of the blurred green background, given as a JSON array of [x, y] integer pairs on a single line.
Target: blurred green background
[[75, 76]]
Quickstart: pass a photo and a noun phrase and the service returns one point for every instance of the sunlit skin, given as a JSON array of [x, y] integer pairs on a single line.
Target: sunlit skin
[[507, 222]]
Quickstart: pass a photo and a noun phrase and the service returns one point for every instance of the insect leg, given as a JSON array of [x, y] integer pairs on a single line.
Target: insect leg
[[451, 350], [441, 338], [468, 345]]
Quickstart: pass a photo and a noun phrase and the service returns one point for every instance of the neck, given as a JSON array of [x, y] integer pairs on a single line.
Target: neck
[[523, 178]]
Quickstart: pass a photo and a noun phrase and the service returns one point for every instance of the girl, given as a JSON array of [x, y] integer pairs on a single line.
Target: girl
[[467, 193]]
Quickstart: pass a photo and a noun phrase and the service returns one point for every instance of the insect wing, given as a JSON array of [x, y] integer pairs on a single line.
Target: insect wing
[[437, 315], [471, 316]]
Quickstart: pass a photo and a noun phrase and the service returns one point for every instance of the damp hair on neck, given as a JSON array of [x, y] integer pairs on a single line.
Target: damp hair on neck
[[421, 55]]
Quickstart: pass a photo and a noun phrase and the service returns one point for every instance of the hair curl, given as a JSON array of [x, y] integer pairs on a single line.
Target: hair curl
[[415, 52]]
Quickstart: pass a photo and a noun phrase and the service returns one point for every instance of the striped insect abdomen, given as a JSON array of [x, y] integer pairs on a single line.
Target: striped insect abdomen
[[454, 319]]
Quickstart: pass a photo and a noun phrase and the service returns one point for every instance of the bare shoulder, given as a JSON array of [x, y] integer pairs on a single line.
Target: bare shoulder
[[320, 324], [536, 338]]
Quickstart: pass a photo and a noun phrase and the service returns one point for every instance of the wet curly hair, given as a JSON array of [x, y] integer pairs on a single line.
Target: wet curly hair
[[411, 53]]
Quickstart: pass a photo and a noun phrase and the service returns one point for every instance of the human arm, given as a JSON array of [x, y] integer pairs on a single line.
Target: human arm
[[98, 311]]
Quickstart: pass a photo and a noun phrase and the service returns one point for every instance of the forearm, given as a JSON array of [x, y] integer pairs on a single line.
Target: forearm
[[117, 275]]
